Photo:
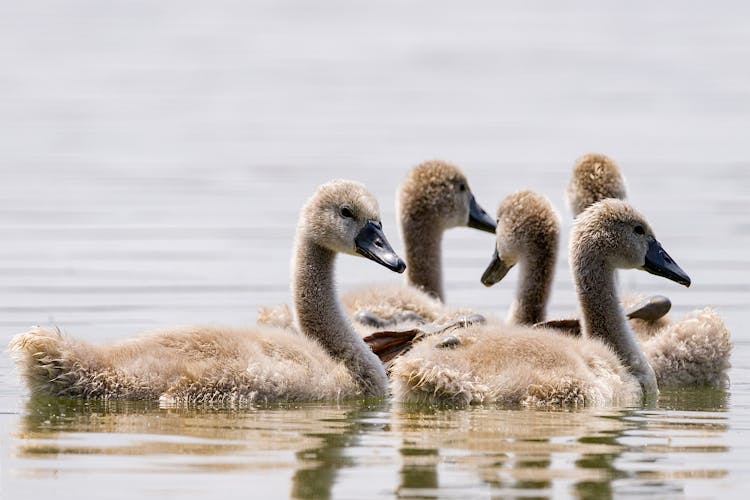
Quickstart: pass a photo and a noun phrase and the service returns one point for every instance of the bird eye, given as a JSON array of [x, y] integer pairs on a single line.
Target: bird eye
[[639, 230], [462, 187], [347, 212]]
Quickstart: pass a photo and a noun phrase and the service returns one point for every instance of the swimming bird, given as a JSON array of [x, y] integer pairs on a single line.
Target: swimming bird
[[433, 198], [527, 235], [197, 364], [521, 365], [693, 351], [597, 177], [528, 231]]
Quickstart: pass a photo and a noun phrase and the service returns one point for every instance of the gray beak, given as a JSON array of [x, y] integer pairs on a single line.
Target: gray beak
[[659, 262], [496, 270], [371, 243], [478, 218]]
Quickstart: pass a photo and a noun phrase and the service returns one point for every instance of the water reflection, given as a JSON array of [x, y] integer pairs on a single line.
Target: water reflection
[[588, 454], [319, 464], [424, 452], [695, 399], [309, 439], [510, 450]]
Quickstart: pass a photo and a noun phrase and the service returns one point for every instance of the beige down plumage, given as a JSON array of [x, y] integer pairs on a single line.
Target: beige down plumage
[[526, 366], [527, 235], [693, 351], [433, 198], [195, 364]]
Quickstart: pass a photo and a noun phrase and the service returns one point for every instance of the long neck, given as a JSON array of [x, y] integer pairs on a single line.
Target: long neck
[[320, 317], [422, 242], [603, 317], [534, 287]]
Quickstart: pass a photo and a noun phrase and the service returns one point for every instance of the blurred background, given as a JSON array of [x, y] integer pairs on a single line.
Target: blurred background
[[154, 154]]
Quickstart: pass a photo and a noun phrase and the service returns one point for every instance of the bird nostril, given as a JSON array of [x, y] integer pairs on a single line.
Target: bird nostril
[[378, 243]]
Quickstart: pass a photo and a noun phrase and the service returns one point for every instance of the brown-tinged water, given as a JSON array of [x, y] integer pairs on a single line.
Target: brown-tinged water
[[153, 157]]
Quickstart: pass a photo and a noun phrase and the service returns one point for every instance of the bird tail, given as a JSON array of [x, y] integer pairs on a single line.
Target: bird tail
[[47, 362]]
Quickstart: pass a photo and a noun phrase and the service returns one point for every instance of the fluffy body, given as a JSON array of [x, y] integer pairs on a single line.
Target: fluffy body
[[402, 304], [690, 352], [185, 364], [516, 367], [693, 351], [207, 364], [533, 367]]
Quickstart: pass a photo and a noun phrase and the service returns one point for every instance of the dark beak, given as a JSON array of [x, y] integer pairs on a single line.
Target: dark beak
[[478, 218], [371, 243], [651, 309], [659, 262], [496, 270]]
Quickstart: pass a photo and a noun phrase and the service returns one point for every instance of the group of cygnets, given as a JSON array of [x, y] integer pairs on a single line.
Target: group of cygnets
[[329, 349]]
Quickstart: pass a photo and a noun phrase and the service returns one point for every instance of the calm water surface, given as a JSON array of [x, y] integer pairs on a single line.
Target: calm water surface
[[153, 158]]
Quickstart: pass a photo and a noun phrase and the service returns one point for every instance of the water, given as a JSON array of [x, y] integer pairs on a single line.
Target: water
[[154, 157]]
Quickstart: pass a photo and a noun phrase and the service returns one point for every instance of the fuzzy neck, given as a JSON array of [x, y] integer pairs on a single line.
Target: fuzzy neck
[[603, 317], [320, 317], [422, 243], [534, 287]]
